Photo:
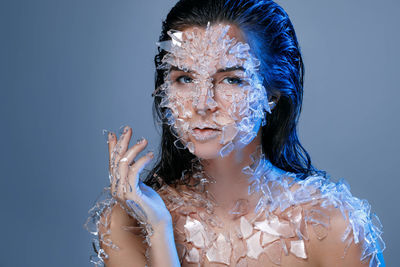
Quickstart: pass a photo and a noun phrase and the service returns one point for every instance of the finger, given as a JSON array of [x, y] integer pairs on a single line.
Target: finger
[[132, 152], [120, 187], [118, 168], [122, 171], [112, 140], [113, 184], [123, 164], [123, 142], [135, 169], [118, 183], [114, 178]]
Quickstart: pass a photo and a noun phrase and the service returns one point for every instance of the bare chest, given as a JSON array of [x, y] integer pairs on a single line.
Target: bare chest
[[206, 240]]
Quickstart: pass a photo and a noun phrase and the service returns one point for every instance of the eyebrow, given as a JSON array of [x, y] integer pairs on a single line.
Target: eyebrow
[[234, 68], [178, 69], [231, 69]]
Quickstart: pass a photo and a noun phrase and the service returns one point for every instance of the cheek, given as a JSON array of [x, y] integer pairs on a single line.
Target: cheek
[[185, 108], [232, 101], [182, 111], [181, 105]]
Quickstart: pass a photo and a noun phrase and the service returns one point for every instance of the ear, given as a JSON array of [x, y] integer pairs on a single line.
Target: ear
[[273, 100]]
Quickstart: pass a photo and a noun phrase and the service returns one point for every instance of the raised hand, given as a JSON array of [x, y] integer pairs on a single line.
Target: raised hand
[[144, 203]]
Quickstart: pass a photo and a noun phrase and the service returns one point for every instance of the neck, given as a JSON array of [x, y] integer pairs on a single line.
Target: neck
[[231, 183]]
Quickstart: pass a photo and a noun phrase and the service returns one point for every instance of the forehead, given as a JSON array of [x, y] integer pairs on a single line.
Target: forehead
[[206, 49], [218, 30]]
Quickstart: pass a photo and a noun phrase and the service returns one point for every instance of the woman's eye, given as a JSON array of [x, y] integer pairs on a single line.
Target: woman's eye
[[184, 79], [232, 80]]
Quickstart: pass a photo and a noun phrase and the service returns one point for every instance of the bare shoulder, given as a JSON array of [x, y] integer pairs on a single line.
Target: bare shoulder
[[342, 229], [330, 246], [120, 239]]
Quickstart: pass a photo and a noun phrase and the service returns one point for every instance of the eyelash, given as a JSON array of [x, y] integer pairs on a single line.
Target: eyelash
[[183, 79], [236, 80]]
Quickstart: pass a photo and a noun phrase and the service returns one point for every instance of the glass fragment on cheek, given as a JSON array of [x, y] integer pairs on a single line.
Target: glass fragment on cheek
[[222, 118], [229, 132], [181, 126]]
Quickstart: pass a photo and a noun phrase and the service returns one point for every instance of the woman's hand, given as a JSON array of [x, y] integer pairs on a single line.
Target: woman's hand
[[126, 188]]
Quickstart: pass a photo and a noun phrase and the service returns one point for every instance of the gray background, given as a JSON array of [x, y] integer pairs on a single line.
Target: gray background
[[71, 68]]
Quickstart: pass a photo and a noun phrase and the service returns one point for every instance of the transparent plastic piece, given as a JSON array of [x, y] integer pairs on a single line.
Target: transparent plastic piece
[[273, 231], [197, 52]]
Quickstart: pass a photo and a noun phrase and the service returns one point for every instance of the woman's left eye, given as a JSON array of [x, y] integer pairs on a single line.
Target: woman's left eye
[[232, 80]]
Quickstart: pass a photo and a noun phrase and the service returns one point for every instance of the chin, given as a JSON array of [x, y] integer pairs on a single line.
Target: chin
[[207, 149]]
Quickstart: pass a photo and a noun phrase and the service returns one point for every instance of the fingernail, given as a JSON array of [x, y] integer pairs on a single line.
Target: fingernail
[[140, 140], [150, 154], [106, 134], [123, 129]]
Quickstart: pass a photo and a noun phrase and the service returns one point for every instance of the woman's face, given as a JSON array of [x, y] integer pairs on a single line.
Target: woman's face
[[213, 90]]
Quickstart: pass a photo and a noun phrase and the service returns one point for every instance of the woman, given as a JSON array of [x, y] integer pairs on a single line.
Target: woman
[[233, 186]]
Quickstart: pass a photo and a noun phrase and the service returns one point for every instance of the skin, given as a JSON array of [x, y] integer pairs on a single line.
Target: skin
[[228, 170], [163, 247], [231, 185], [226, 82]]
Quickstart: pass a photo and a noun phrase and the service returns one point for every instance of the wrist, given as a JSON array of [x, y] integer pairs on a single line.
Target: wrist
[[162, 246], [163, 227], [164, 221], [163, 233]]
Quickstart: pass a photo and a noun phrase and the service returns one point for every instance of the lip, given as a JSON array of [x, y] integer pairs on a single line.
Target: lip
[[205, 134]]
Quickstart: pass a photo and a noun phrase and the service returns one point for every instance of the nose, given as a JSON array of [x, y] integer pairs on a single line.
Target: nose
[[205, 101]]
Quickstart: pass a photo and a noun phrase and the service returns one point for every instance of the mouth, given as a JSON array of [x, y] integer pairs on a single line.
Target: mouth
[[205, 133], [205, 130]]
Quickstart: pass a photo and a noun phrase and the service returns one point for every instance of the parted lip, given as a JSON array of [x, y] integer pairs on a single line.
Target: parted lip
[[204, 125]]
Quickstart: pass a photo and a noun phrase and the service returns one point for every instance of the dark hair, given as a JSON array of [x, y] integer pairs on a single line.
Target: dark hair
[[272, 39]]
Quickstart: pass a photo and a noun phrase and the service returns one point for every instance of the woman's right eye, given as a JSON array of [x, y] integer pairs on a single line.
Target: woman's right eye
[[184, 79]]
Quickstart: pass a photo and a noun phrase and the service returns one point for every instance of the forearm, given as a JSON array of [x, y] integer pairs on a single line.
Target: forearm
[[163, 250]]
